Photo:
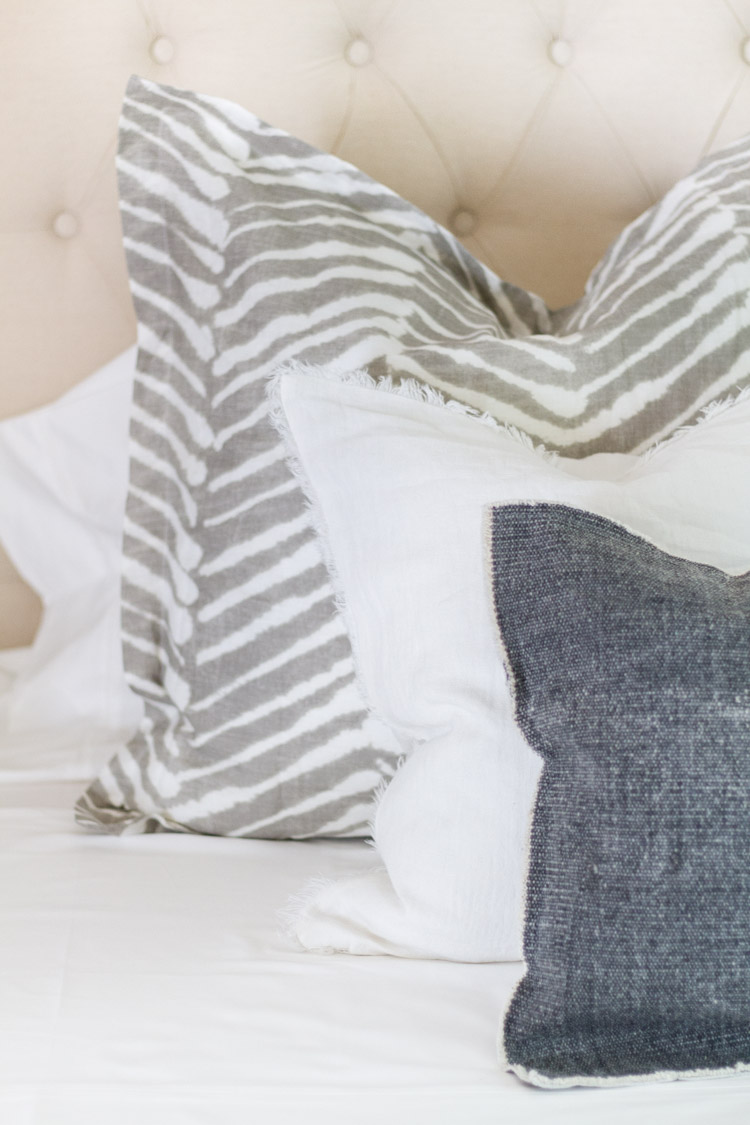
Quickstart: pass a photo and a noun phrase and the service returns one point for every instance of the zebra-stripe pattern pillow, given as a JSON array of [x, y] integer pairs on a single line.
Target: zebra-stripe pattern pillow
[[248, 249]]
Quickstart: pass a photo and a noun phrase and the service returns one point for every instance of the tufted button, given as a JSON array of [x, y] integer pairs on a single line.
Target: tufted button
[[162, 50], [745, 50], [463, 222], [358, 52], [560, 52], [65, 224]]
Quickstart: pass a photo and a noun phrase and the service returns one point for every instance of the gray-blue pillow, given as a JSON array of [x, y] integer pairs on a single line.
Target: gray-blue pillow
[[631, 677]]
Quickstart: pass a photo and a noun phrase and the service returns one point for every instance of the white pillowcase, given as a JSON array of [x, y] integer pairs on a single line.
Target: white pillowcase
[[64, 470], [400, 485]]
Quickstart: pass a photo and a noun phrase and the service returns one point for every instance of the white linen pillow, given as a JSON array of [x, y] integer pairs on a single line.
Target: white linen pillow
[[399, 482], [64, 470]]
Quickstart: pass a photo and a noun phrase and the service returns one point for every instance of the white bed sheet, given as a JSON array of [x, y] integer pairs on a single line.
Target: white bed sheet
[[144, 980]]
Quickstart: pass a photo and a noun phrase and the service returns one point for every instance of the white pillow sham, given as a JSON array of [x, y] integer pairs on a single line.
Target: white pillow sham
[[64, 470], [399, 482]]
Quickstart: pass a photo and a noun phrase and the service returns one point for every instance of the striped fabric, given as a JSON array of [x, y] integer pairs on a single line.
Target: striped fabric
[[248, 249]]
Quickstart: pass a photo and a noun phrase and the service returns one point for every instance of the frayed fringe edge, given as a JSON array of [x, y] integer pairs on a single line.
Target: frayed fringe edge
[[418, 391], [312, 505], [536, 1078], [298, 906], [411, 388], [377, 797], [708, 413], [278, 418]]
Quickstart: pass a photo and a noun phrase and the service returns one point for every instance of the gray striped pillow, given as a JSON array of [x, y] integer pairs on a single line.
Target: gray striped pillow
[[247, 249]]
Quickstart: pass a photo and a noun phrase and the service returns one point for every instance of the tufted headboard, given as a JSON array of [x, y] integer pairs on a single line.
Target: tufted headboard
[[535, 129]]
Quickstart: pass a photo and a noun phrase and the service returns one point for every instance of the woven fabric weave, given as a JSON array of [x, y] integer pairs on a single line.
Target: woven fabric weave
[[631, 674]]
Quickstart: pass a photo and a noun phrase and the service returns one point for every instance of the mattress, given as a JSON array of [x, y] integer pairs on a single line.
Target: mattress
[[148, 979]]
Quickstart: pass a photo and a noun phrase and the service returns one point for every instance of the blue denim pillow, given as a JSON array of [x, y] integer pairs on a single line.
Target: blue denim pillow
[[631, 677]]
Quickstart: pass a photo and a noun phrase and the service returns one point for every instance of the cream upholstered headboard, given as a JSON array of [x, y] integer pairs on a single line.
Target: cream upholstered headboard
[[535, 129]]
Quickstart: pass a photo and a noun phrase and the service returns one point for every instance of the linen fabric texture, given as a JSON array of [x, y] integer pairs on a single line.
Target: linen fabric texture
[[246, 249], [64, 471], [630, 672], [399, 483]]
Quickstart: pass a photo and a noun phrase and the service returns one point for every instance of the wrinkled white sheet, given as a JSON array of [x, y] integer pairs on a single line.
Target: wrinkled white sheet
[[143, 981]]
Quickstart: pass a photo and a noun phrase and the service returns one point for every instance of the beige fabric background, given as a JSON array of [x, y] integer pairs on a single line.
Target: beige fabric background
[[536, 129]]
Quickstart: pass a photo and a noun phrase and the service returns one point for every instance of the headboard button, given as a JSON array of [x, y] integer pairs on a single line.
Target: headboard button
[[65, 224], [745, 50], [463, 222], [162, 50], [358, 52], [560, 52]]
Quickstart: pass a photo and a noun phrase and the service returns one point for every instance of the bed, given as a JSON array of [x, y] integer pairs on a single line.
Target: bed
[[147, 974]]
